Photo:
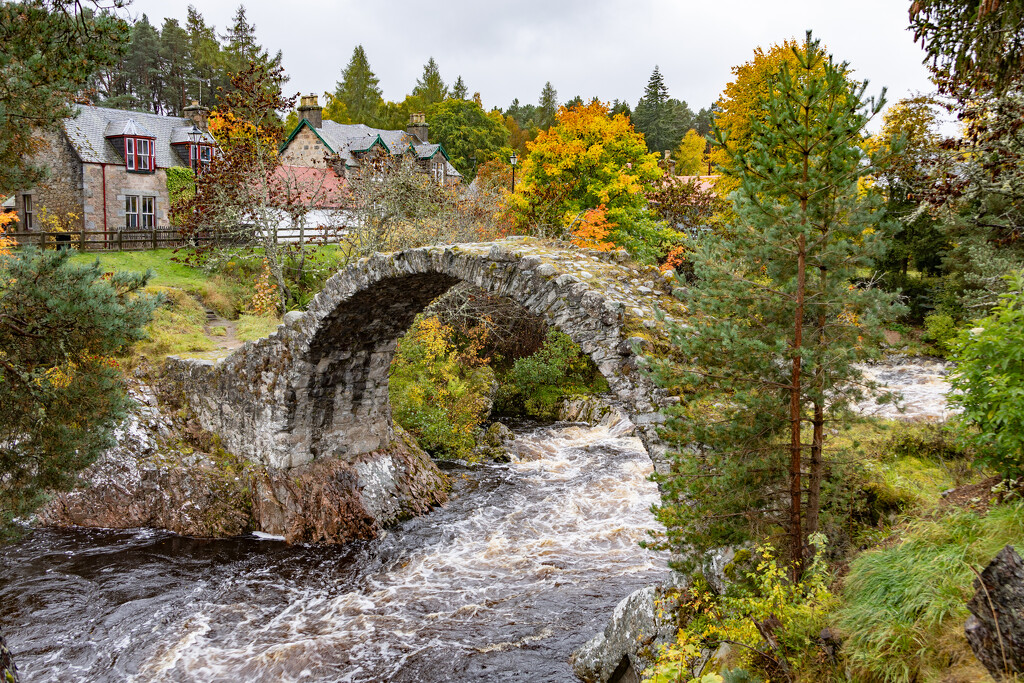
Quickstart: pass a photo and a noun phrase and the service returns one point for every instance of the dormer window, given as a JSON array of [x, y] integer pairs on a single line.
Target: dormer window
[[199, 155], [139, 154]]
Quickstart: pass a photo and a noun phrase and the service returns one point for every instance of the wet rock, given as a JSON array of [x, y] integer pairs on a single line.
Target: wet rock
[[629, 642], [8, 671], [167, 473], [995, 629]]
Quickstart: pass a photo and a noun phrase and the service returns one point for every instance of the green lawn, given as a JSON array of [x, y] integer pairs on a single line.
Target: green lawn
[[167, 273]]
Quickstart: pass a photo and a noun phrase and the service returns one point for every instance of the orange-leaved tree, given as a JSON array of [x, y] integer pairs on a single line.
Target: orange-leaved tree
[[586, 160]]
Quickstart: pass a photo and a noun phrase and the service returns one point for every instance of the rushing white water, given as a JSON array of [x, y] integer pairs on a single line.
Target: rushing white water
[[521, 567], [920, 383]]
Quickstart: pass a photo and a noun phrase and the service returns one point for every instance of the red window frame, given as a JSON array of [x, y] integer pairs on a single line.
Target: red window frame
[[135, 159]]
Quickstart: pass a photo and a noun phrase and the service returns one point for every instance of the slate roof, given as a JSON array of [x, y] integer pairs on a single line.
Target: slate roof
[[88, 133], [347, 139]]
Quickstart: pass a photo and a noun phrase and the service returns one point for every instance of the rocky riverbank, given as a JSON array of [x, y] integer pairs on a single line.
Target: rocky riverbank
[[167, 473]]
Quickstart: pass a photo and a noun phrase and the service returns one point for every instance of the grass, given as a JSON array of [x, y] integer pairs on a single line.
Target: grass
[[166, 272], [252, 327], [905, 606], [176, 328]]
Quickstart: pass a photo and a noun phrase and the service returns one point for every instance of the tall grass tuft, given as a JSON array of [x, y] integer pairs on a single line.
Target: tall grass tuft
[[906, 605]]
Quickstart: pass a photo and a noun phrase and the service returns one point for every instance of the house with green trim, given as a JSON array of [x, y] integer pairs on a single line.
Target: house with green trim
[[346, 147]]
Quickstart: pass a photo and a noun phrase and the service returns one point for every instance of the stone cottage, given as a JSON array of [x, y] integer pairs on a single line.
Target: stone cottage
[[108, 169], [344, 147]]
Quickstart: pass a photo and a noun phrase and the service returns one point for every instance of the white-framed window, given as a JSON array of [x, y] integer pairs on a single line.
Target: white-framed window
[[139, 154], [199, 156], [148, 215], [29, 211], [131, 211], [142, 151]]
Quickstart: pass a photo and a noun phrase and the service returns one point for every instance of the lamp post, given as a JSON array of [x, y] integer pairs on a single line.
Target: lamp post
[[194, 136], [513, 160]]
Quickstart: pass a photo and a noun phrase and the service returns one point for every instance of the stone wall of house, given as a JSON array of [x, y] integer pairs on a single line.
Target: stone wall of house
[[59, 196], [305, 149], [120, 183]]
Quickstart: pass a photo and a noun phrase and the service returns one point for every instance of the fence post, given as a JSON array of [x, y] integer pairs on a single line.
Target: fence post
[[81, 239], [154, 236], [120, 239]]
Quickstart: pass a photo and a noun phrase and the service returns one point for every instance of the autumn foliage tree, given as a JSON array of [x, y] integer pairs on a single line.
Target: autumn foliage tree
[[244, 197], [587, 160]]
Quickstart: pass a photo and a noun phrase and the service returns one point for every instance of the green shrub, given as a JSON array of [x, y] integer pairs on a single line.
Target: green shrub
[[535, 386], [989, 380], [940, 330], [438, 394], [905, 606]]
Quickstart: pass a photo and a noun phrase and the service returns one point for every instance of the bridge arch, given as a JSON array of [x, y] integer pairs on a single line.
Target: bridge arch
[[318, 387]]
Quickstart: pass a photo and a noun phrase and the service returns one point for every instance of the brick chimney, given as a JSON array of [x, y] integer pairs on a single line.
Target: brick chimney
[[418, 126], [670, 163], [310, 111], [198, 114]]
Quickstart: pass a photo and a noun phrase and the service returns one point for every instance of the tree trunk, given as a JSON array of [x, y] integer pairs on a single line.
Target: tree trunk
[[814, 474], [795, 445]]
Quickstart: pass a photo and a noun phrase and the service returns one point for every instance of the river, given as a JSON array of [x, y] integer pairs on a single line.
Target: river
[[524, 564]]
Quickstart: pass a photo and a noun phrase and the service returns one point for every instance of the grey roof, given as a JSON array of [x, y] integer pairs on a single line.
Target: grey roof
[[126, 127], [88, 133], [344, 139]]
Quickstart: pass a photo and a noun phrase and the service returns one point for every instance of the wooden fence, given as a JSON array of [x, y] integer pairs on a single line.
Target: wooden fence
[[158, 238]]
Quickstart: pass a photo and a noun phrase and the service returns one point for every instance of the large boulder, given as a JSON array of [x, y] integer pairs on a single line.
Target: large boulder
[[995, 628], [629, 643]]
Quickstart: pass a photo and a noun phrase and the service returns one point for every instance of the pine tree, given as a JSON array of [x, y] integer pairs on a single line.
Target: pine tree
[[175, 64], [143, 67], [459, 91], [358, 90], [662, 120], [430, 86], [206, 70], [62, 325], [547, 107], [777, 322], [49, 53]]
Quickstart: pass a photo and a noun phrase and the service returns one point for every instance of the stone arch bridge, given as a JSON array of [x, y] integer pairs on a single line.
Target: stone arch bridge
[[318, 387]]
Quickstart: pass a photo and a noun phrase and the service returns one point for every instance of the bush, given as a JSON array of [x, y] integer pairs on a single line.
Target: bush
[[940, 330], [535, 386], [439, 393], [989, 380], [793, 613]]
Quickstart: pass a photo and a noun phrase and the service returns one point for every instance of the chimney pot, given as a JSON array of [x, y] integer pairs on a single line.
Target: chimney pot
[[418, 126], [310, 110]]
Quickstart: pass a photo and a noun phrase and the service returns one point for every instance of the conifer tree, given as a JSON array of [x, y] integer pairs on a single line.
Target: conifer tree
[[547, 107], [777, 321], [175, 65], [459, 91], [662, 120], [62, 325], [430, 86], [358, 90]]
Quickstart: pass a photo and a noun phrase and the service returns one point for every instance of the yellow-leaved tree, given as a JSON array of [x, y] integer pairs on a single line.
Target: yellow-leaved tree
[[742, 103], [690, 156], [587, 159]]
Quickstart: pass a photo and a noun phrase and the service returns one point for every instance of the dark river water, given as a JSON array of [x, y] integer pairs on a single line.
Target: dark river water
[[522, 566]]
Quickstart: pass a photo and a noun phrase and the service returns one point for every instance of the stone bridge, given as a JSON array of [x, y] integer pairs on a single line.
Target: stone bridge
[[318, 387]]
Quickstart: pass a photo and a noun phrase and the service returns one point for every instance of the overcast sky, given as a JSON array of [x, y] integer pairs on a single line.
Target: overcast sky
[[603, 48]]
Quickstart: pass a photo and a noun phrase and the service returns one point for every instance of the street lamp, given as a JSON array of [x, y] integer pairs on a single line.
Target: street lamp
[[513, 160], [194, 136]]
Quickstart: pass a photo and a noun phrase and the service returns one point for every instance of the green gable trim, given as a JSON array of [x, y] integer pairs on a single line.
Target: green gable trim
[[377, 140], [306, 123]]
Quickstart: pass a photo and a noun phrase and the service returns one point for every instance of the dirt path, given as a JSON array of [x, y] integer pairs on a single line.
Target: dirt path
[[226, 342]]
